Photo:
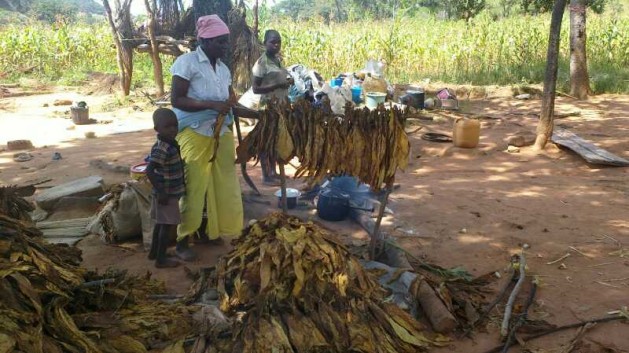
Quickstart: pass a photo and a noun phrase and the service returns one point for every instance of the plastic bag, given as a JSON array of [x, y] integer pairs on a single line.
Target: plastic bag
[[121, 218]]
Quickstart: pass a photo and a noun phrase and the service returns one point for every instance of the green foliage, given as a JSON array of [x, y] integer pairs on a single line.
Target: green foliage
[[66, 53], [463, 9], [541, 6], [482, 51], [52, 11]]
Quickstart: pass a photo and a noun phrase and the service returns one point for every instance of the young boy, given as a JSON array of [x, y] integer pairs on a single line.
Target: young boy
[[165, 171]]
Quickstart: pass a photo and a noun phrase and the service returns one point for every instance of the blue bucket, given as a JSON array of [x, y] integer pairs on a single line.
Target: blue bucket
[[336, 82], [357, 92]]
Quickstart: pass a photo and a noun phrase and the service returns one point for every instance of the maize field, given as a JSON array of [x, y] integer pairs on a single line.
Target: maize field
[[480, 52]]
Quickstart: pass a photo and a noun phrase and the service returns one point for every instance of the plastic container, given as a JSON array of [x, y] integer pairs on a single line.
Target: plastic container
[[357, 93], [373, 99], [80, 115], [466, 133], [336, 82], [291, 197], [138, 171]]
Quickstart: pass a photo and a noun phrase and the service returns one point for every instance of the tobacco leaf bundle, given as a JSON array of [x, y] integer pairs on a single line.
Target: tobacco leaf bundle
[[302, 291], [368, 144], [47, 308]]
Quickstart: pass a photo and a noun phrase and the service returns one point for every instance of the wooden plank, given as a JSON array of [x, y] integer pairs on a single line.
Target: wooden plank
[[66, 223], [68, 241], [72, 232], [591, 153]]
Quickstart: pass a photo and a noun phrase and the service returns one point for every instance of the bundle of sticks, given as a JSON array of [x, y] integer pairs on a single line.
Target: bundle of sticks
[[367, 144]]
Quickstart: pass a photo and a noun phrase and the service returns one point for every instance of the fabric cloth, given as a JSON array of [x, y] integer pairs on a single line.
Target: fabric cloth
[[168, 168], [211, 26], [206, 84], [213, 183], [165, 214], [270, 69]]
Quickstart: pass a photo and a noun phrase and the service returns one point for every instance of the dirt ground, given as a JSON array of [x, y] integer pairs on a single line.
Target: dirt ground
[[455, 207]]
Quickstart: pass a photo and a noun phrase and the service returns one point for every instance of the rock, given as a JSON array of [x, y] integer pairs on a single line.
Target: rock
[[521, 139], [523, 96], [92, 186], [75, 207], [90, 134], [22, 157], [101, 164], [17, 145], [59, 102], [513, 149]]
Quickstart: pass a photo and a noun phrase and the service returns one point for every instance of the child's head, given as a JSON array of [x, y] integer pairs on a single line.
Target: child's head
[[272, 42], [165, 123]]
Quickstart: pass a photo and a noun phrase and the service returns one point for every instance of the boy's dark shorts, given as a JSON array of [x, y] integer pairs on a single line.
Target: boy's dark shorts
[[165, 214]]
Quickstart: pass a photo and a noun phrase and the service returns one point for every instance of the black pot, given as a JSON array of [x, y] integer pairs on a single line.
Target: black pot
[[333, 205], [413, 98]]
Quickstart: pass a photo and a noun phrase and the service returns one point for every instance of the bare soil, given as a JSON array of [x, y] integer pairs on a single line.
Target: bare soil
[[455, 207]]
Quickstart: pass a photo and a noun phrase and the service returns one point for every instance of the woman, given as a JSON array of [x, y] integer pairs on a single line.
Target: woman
[[201, 97], [270, 80]]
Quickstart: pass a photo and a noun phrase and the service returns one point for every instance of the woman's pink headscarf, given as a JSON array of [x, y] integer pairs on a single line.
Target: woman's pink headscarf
[[211, 26]]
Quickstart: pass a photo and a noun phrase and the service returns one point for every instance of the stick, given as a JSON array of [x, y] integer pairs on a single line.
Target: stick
[[491, 306], [504, 330], [616, 279], [606, 284], [98, 283], [283, 187], [577, 337], [559, 259], [521, 318], [618, 243], [577, 250], [560, 328], [604, 264], [376, 231], [243, 165]]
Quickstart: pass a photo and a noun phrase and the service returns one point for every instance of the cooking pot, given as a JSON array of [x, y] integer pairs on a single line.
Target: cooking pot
[[413, 98], [291, 198], [333, 205]]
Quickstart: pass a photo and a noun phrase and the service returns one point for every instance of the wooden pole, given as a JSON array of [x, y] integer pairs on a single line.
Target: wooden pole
[[256, 24], [375, 237], [283, 187]]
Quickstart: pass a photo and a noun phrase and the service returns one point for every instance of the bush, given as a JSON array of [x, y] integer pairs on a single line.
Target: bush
[[52, 11]]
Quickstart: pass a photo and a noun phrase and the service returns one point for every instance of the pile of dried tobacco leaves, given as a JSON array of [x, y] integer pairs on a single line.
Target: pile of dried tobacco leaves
[[51, 305], [302, 291]]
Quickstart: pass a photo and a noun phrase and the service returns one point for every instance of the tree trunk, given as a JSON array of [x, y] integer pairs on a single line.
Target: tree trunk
[[210, 7], [121, 30], [256, 19], [545, 124], [151, 10], [579, 80]]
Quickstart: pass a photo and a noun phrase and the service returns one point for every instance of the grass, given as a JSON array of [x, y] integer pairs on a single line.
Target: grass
[[511, 51]]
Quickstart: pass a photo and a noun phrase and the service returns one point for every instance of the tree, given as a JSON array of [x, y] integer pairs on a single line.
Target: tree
[[579, 80], [209, 7], [122, 30], [546, 124], [151, 10], [52, 11], [465, 9]]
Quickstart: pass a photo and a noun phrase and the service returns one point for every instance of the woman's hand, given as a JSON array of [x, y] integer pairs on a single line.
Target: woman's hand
[[221, 107]]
